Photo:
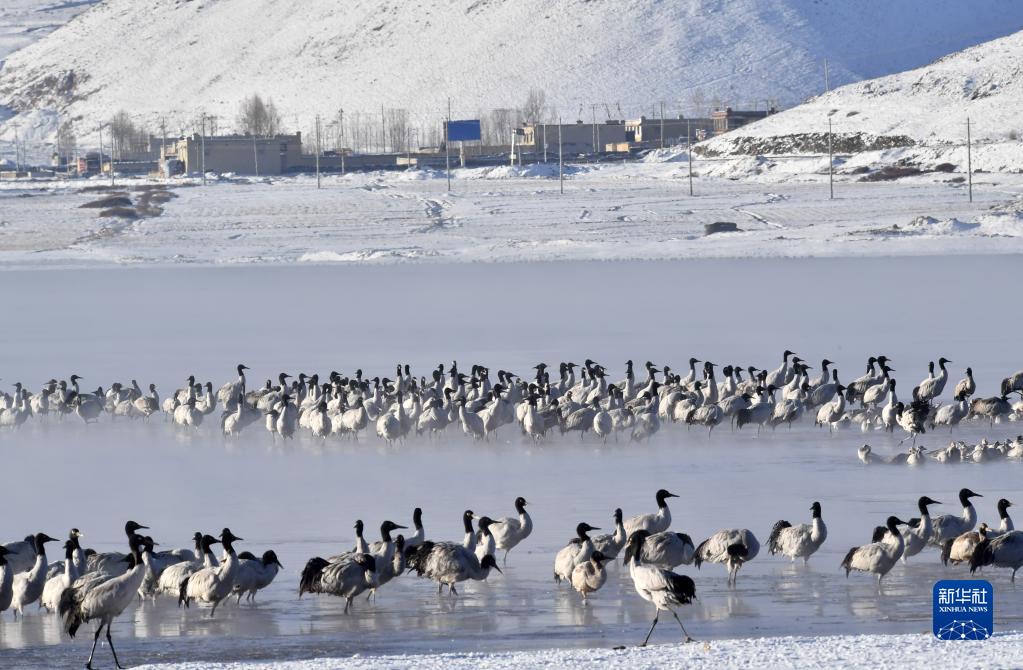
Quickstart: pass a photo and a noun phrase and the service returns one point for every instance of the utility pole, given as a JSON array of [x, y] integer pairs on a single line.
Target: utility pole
[[202, 148], [317, 151], [827, 82], [689, 153], [561, 161], [255, 157], [163, 146], [593, 123], [543, 127], [447, 146], [662, 124], [341, 130], [100, 153], [17, 150], [831, 165], [969, 160]]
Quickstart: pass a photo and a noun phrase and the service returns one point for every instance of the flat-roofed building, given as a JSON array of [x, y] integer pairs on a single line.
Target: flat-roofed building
[[241, 154]]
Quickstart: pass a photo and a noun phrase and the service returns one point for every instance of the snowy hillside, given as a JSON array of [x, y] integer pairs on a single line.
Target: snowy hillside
[[924, 109], [22, 22], [320, 55]]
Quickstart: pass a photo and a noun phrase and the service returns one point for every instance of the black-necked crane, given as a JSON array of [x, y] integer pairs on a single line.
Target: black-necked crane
[[961, 549], [877, 557], [949, 526], [588, 577], [509, 531], [212, 585], [105, 600], [732, 547], [611, 544], [255, 574], [800, 541], [578, 550], [966, 386], [28, 586], [919, 529], [666, 590], [655, 522], [1004, 551]]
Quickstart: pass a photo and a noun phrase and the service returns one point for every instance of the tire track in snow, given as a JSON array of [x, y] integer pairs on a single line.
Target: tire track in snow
[[741, 209]]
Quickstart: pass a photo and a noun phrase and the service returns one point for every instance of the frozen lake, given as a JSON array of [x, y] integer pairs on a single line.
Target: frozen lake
[[161, 324]]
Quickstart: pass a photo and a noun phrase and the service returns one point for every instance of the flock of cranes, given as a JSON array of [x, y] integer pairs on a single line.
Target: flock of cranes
[[544, 405], [98, 587], [957, 451]]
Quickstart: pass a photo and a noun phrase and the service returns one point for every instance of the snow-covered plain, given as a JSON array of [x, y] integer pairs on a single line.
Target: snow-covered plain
[[159, 324], [619, 211]]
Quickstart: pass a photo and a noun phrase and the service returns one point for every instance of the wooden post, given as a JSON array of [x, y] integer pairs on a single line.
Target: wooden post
[[831, 165], [689, 153], [447, 146], [202, 148], [561, 160], [969, 160]]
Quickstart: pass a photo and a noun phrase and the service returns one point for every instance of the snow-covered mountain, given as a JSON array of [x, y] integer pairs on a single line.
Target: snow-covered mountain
[[924, 109], [175, 58], [23, 22]]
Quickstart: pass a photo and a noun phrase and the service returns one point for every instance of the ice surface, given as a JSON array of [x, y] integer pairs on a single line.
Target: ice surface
[[160, 324]]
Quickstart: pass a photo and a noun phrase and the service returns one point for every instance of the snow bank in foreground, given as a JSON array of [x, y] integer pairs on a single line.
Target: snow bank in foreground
[[849, 651]]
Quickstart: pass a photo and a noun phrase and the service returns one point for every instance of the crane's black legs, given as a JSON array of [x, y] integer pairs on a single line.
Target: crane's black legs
[[657, 613], [684, 631], [95, 639], [110, 641]]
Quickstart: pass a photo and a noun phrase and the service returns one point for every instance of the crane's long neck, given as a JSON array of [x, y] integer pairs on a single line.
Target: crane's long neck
[[230, 564], [926, 526], [1005, 525], [899, 544], [525, 521], [969, 514], [619, 535], [39, 565], [817, 529]]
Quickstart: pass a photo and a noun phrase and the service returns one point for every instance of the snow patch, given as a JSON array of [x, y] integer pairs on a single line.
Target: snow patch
[[883, 652]]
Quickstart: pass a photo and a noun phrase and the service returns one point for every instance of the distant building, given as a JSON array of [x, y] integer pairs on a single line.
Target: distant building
[[729, 119], [92, 163], [241, 154], [576, 138], [646, 132]]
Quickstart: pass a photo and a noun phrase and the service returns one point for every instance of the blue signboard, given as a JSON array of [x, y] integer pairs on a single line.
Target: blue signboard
[[964, 609], [465, 130]]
